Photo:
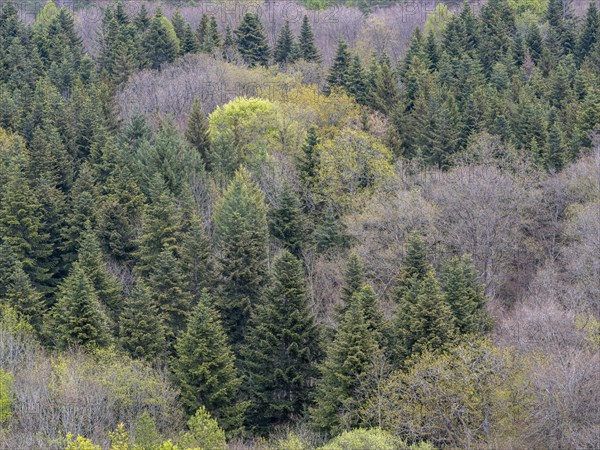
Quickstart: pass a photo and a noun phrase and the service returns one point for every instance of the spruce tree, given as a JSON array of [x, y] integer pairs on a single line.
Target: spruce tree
[[286, 220], [282, 349], [204, 367], [241, 231], [329, 233], [306, 42], [142, 19], [284, 49], [202, 31], [308, 162], [348, 362], [386, 93], [140, 328], [252, 42], [354, 278], [465, 294], [26, 300], [196, 131], [338, 74], [197, 257], [415, 265], [160, 46], [369, 302], [189, 44], [77, 317], [229, 46], [589, 33], [212, 38], [357, 86]]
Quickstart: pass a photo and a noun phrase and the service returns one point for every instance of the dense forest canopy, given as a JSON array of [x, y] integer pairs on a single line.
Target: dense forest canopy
[[313, 225]]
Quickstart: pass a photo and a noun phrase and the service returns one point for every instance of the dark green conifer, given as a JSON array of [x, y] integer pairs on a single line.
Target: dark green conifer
[[286, 220], [284, 49], [26, 300], [252, 42], [196, 131], [306, 41], [354, 278], [338, 74]]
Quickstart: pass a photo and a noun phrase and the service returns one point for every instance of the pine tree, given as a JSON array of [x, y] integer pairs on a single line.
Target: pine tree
[[465, 295], [286, 220], [240, 224], [282, 349], [284, 48], [26, 300], [348, 363], [338, 74], [140, 328], [415, 264], [252, 42], [354, 278], [196, 131], [77, 318], [424, 320], [589, 33], [306, 41], [91, 260], [204, 367]]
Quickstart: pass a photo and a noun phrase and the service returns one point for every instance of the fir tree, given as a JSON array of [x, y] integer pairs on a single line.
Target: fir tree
[[229, 47], [284, 49], [159, 44], [306, 42], [385, 93], [140, 328], [252, 42], [189, 43], [354, 278], [202, 31], [196, 131], [26, 300], [178, 24], [369, 302], [196, 257], [204, 367], [282, 349], [348, 363], [415, 265], [241, 230], [308, 162], [589, 33], [142, 19], [286, 220], [357, 86], [338, 74], [212, 38], [329, 233], [78, 318], [465, 295]]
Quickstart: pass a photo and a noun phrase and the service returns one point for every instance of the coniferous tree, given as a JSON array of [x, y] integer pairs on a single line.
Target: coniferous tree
[[252, 42], [26, 300], [338, 74], [196, 257], [349, 361], [354, 278], [286, 221], [589, 33], [189, 43], [282, 349], [140, 328], [196, 131], [308, 162], [202, 31], [229, 47], [178, 24], [240, 224], [284, 49], [77, 317], [142, 19], [212, 38], [329, 233], [204, 367], [357, 86], [306, 42], [415, 264], [369, 302], [465, 295], [160, 45]]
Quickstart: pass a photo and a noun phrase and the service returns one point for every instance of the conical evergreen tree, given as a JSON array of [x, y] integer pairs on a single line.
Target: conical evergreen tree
[[589, 33], [26, 300], [140, 327], [204, 367], [252, 42], [142, 19], [357, 86], [241, 230], [286, 220], [160, 45], [229, 46], [415, 264], [386, 93], [307, 163], [369, 302], [283, 52], [77, 318], [201, 32], [196, 257], [306, 41], [348, 363], [282, 349], [189, 43], [354, 278], [212, 38], [338, 74], [329, 233], [196, 131], [465, 295]]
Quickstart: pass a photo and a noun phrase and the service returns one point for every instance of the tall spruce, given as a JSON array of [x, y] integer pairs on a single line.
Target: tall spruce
[[285, 51], [204, 367], [354, 278], [282, 349], [338, 74], [252, 42], [415, 265], [286, 220], [306, 42], [140, 328], [26, 300], [241, 231], [196, 131]]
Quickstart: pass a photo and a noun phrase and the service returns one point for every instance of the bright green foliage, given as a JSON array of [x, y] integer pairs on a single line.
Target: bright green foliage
[[282, 349], [146, 434], [354, 278], [91, 260], [349, 361], [252, 42], [140, 327], [196, 131], [21, 295], [286, 220], [306, 42], [424, 320], [375, 438], [204, 367], [47, 15], [465, 295], [6, 397], [77, 318], [80, 443], [285, 50], [241, 231], [437, 20], [119, 439], [205, 432]]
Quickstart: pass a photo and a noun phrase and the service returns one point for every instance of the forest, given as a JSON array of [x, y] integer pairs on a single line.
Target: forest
[[334, 225]]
